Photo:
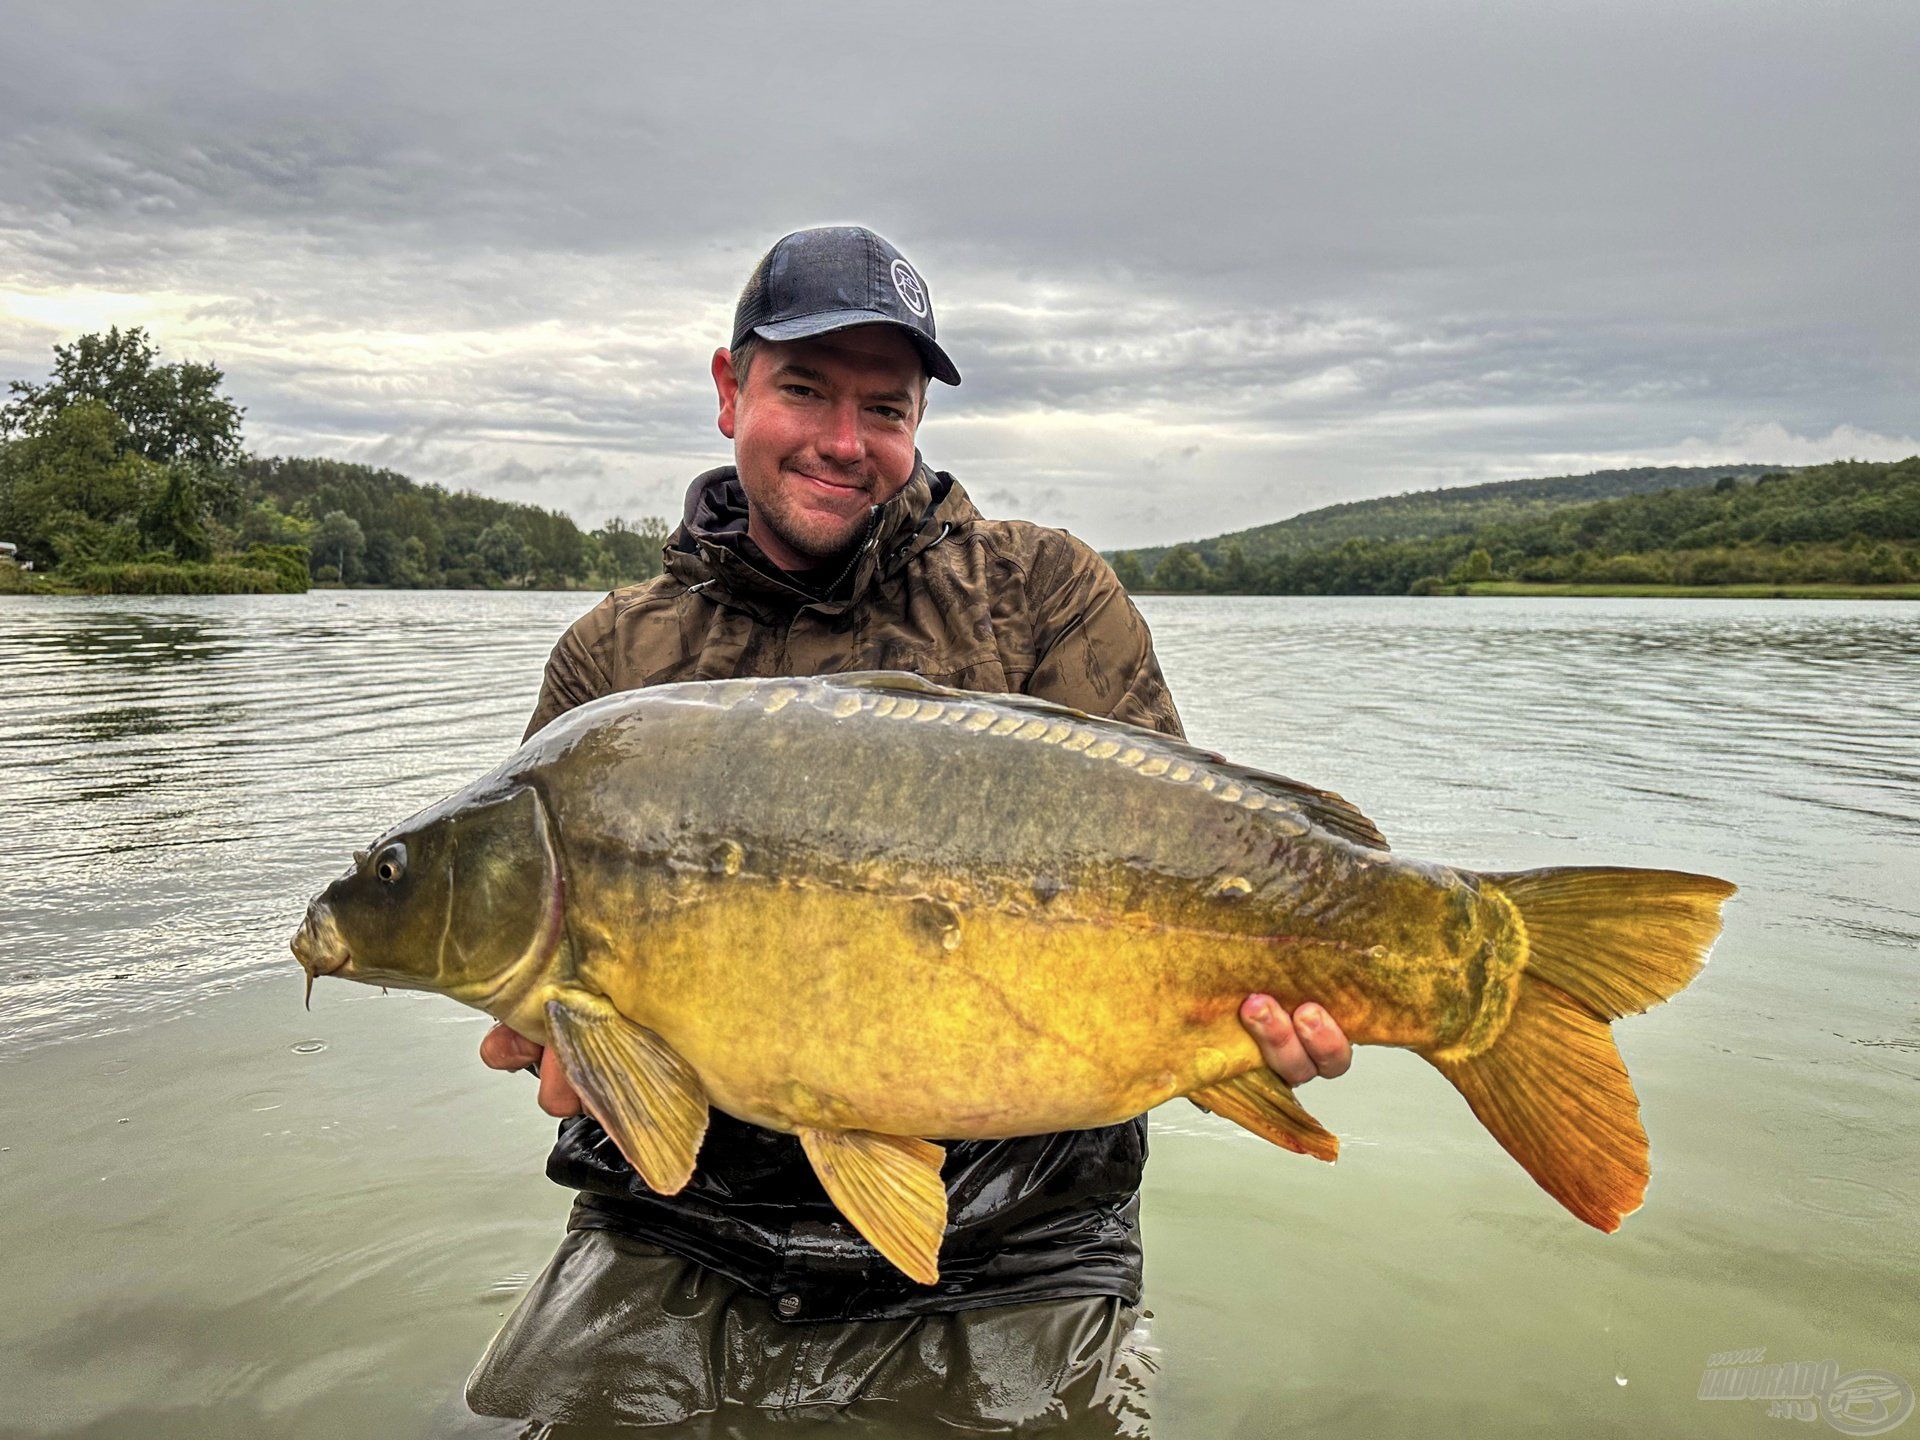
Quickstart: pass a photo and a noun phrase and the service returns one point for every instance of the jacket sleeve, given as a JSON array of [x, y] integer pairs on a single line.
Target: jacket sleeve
[[1092, 649], [574, 676]]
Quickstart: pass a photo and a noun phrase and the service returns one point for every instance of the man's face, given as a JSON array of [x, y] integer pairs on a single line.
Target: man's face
[[821, 430]]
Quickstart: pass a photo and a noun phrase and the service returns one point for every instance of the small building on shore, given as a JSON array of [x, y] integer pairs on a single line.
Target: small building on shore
[[10, 555]]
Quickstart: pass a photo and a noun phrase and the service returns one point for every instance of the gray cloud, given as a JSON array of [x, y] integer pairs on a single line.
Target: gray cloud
[[1201, 268]]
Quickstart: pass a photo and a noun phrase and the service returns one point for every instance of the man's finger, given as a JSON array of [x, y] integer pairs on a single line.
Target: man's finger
[[1324, 1041], [504, 1049], [557, 1095], [1272, 1031]]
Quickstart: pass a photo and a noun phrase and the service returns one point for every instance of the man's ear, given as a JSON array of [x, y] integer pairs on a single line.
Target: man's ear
[[728, 387]]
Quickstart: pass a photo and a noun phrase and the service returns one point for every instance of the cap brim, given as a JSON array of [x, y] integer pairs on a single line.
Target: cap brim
[[808, 326]]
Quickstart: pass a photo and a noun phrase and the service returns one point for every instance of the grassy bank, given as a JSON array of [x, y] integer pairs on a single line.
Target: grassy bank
[[1696, 592], [15, 581], [259, 570]]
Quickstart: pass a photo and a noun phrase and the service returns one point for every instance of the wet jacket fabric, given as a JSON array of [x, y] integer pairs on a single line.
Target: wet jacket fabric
[[934, 588]]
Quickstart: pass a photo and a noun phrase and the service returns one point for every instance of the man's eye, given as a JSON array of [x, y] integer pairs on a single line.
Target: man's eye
[[798, 389], [887, 412]]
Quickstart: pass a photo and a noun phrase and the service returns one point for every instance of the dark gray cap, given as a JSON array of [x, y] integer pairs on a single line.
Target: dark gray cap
[[815, 281]]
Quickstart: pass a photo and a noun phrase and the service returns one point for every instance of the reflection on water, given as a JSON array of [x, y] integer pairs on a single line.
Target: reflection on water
[[179, 771], [249, 1220]]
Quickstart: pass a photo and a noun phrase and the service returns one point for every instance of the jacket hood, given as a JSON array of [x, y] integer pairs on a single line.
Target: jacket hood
[[710, 551]]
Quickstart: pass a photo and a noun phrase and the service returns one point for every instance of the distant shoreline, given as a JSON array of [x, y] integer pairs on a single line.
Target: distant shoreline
[[1511, 589], [1752, 591], [1517, 589]]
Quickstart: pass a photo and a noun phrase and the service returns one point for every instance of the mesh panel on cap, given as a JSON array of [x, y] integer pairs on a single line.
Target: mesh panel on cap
[[754, 301]]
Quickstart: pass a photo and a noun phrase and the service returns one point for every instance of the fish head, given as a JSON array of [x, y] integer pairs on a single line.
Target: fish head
[[461, 899]]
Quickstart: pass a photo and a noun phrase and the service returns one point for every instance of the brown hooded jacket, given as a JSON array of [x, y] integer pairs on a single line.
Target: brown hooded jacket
[[934, 588]]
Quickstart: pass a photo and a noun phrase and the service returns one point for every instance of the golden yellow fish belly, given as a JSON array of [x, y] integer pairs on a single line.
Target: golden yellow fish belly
[[811, 1006]]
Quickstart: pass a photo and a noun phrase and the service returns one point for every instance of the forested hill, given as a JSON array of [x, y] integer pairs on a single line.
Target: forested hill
[[377, 527], [1847, 523], [1424, 513]]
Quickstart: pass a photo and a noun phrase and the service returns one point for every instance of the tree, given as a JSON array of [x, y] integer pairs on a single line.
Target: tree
[[630, 550], [1479, 566], [171, 518], [412, 569], [1233, 574], [263, 524], [1128, 570], [172, 413], [338, 542], [503, 550], [1182, 569], [70, 492]]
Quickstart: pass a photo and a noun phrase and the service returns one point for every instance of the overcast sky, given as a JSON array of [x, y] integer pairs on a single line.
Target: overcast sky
[[1202, 266]]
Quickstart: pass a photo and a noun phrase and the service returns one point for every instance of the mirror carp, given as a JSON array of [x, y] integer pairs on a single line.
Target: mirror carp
[[874, 913]]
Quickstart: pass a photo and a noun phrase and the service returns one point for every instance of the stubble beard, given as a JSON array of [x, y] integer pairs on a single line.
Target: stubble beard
[[809, 542]]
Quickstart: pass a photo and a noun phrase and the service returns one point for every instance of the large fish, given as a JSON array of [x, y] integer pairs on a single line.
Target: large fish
[[867, 911]]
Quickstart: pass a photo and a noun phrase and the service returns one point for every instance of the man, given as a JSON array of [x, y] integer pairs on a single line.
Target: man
[[830, 546]]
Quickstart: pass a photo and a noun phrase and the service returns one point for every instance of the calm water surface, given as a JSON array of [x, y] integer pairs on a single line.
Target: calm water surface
[[225, 1216]]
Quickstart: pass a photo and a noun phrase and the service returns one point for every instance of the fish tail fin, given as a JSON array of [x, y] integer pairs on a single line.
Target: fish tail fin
[[1619, 940], [1601, 943]]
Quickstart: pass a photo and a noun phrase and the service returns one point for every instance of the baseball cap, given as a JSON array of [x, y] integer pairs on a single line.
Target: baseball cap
[[815, 281]]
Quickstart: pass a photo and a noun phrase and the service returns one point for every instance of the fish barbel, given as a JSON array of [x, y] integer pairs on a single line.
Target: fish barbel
[[870, 912]]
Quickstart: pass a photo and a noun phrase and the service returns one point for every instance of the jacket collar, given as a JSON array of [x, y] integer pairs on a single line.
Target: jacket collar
[[710, 552]]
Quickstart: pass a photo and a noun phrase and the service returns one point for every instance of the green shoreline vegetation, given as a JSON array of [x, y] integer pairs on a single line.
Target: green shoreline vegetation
[[1698, 592], [125, 475], [1848, 529]]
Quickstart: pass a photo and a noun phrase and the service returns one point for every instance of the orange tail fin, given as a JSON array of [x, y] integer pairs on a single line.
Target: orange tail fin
[[1601, 943]]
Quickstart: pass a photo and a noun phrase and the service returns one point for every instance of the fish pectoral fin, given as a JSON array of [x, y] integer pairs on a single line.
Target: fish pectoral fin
[[643, 1094], [1262, 1102], [889, 1187]]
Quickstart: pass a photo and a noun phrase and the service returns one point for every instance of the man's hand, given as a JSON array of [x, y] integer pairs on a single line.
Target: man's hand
[[1296, 1047], [505, 1049]]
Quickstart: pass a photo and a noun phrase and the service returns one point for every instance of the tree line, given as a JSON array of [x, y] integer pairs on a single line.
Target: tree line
[[1849, 522], [1420, 514], [125, 473]]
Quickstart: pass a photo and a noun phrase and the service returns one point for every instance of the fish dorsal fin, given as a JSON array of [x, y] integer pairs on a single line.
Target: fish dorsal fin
[[889, 1187], [1322, 807], [645, 1096]]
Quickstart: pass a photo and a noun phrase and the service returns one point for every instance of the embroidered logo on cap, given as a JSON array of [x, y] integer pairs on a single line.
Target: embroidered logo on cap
[[912, 293]]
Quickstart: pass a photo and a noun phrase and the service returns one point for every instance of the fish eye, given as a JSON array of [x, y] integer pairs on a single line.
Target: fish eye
[[391, 864]]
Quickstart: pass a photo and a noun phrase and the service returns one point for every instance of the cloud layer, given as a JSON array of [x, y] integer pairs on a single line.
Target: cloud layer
[[1200, 270]]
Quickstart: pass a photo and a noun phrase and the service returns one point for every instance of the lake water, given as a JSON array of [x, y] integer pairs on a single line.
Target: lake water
[[225, 1216]]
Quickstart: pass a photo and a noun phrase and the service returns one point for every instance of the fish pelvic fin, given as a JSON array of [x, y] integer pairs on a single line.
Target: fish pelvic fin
[[1601, 943], [889, 1188], [1262, 1102], [645, 1096]]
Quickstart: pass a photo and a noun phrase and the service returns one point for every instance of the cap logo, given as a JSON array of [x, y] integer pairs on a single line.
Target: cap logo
[[912, 293]]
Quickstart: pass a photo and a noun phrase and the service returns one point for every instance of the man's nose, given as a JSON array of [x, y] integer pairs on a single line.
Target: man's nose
[[840, 439]]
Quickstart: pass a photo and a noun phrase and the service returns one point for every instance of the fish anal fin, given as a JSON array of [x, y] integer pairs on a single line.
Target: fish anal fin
[[646, 1097], [1555, 1094], [1262, 1102], [889, 1188]]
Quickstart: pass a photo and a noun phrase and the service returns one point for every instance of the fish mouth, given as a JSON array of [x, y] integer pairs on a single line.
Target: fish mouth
[[319, 946]]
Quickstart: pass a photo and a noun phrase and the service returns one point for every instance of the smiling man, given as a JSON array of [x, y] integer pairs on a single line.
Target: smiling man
[[828, 546]]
